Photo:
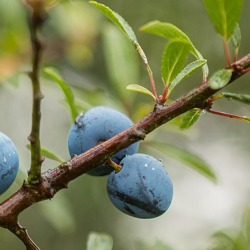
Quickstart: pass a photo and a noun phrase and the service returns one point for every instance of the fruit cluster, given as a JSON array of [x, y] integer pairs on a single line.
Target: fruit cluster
[[9, 162], [141, 187]]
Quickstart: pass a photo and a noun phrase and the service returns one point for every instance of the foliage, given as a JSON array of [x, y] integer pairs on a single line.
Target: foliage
[[180, 61], [224, 15], [99, 241], [233, 239], [226, 239]]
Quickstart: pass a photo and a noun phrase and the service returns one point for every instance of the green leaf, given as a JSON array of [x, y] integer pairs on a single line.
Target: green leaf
[[99, 241], [186, 72], [187, 158], [172, 33], [124, 27], [224, 15], [238, 97], [121, 61], [158, 245], [235, 240], [48, 154], [141, 89], [190, 118], [173, 60], [236, 37], [246, 224], [205, 68], [222, 240], [69, 96], [168, 31], [220, 79], [117, 20]]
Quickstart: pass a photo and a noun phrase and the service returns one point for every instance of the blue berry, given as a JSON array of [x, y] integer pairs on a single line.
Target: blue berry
[[9, 162], [96, 125], [142, 188]]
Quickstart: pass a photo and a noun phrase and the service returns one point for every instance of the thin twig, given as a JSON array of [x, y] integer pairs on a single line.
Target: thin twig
[[35, 23], [228, 115], [23, 235], [150, 73]]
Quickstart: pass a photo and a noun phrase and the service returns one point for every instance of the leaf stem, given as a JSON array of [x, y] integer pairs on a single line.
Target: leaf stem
[[228, 115], [164, 96], [150, 73], [236, 52], [227, 52]]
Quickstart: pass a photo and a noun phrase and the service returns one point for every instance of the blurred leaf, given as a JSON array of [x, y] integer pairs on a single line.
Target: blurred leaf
[[220, 79], [236, 37], [173, 60], [55, 77], [221, 241], [186, 72], [156, 246], [121, 61], [99, 241], [141, 89], [190, 118], [59, 214], [186, 157], [117, 20], [48, 154], [232, 241], [224, 15], [125, 28], [246, 225], [238, 97], [142, 110], [241, 242], [171, 32]]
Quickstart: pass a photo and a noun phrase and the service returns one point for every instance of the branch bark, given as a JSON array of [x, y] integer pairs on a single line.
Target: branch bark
[[58, 178]]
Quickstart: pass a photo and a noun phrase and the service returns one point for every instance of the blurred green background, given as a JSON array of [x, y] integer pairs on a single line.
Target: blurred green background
[[98, 62]]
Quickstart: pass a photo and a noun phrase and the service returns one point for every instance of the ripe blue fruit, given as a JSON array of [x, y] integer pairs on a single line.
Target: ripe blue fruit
[[142, 188], [9, 162], [96, 125]]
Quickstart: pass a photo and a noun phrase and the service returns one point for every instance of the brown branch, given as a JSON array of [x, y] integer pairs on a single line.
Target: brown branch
[[58, 178]]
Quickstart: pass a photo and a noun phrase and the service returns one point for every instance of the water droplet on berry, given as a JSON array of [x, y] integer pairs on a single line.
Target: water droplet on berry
[[79, 124]]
